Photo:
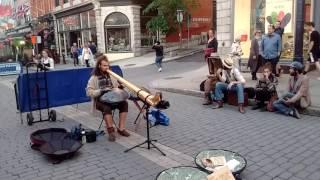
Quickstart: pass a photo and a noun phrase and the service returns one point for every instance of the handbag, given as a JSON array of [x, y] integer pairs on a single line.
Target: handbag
[[207, 52]]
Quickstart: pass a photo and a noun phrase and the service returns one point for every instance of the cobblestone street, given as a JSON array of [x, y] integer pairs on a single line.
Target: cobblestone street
[[276, 147]]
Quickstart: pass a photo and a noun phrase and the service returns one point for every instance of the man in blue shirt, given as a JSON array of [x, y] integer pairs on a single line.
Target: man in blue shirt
[[271, 48]]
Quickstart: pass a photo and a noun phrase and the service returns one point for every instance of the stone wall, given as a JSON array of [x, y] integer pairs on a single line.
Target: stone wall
[[224, 25], [133, 14]]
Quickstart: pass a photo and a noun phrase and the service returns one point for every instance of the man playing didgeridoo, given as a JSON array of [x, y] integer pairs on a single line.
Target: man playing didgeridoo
[[99, 83]]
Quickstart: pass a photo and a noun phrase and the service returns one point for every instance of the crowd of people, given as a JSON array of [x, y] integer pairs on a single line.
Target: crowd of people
[[264, 56], [83, 55]]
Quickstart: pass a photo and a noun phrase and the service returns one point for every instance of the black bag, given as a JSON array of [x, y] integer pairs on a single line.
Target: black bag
[[251, 92], [91, 136], [202, 85]]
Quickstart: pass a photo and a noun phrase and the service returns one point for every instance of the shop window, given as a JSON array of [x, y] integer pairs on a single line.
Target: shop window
[[57, 3], [65, 1], [94, 35], [71, 22], [265, 12], [84, 20], [92, 18], [86, 36], [117, 33]]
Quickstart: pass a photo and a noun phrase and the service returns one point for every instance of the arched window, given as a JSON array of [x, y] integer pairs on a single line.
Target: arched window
[[117, 33]]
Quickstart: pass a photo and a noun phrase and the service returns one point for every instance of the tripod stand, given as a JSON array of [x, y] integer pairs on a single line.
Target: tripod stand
[[148, 141]]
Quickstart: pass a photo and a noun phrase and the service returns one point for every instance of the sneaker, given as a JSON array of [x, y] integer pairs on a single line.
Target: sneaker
[[160, 69], [124, 133], [295, 113]]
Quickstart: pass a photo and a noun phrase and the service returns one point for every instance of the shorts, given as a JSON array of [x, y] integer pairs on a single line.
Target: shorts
[[106, 108], [313, 57]]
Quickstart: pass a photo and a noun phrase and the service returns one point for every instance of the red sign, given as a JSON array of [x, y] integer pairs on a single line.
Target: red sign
[[243, 37], [34, 39]]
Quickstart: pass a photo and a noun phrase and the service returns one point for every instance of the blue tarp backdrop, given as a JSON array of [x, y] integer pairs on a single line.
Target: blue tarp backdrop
[[65, 87]]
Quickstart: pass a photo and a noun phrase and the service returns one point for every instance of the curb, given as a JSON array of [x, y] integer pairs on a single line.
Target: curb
[[183, 55], [311, 111]]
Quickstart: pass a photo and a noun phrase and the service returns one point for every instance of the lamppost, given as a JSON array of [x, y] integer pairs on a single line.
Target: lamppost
[[180, 19], [299, 28]]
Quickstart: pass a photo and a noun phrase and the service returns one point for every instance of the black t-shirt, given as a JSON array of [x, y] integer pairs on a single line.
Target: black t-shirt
[[315, 37], [159, 50], [105, 82]]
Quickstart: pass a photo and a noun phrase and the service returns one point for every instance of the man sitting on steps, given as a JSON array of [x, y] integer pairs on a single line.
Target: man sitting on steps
[[230, 80], [298, 95]]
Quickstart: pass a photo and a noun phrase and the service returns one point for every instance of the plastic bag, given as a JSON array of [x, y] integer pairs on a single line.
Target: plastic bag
[[158, 117]]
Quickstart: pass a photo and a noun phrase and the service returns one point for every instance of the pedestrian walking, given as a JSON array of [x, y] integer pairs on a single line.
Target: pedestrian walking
[[255, 54], [271, 48], [75, 55], [313, 50], [159, 55], [93, 47], [87, 55]]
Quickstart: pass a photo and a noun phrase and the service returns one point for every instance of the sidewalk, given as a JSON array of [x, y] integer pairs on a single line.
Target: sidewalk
[[189, 82], [141, 61]]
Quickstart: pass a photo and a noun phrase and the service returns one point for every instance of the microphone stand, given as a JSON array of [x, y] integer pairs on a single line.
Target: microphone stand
[[149, 141]]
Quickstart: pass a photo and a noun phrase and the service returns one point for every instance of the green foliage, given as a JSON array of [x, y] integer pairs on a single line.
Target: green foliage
[[167, 13], [158, 23]]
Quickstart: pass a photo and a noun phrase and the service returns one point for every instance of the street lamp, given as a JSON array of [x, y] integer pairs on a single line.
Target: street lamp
[[22, 43], [180, 19]]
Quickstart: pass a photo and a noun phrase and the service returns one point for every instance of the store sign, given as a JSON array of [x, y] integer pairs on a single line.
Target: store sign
[[201, 19], [9, 69], [279, 10]]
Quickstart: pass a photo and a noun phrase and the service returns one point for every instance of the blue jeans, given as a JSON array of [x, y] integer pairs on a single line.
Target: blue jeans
[[221, 88], [159, 61], [281, 107]]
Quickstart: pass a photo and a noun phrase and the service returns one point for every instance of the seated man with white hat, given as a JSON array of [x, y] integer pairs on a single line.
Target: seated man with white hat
[[230, 80]]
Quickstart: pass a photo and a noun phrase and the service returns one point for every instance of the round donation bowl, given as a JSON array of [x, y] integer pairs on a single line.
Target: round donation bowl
[[182, 173], [55, 142], [42, 136], [233, 160], [61, 149]]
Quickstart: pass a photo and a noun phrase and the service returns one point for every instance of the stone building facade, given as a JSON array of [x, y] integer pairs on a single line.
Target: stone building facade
[[238, 19]]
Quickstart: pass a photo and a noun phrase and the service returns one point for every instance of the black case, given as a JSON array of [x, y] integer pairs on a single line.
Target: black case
[[91, 136]]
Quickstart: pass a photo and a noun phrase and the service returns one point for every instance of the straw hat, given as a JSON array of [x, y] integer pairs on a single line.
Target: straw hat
[[227, 62]]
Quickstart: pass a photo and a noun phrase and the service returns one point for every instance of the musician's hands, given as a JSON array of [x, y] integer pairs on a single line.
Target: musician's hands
[[121, 86], [105, 90]]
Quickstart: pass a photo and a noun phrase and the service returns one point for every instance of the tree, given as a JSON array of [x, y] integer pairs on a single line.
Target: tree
[[166, 14]]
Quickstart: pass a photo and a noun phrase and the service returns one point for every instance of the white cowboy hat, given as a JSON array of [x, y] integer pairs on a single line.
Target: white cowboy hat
[[227, 62]]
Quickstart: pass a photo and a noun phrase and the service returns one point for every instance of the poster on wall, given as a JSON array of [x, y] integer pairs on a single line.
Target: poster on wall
[[279, 10]]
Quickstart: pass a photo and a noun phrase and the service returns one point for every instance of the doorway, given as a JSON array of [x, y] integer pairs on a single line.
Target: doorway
[[75, 37]]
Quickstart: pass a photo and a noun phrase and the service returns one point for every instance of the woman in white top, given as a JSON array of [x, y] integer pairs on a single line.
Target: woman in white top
[[236, 53], [46, 61], [86, 54]]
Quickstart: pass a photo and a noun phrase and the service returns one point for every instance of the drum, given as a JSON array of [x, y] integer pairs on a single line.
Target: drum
[[114, 96]]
